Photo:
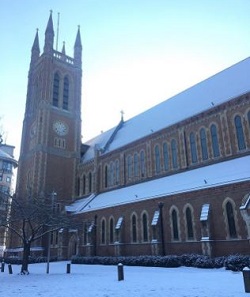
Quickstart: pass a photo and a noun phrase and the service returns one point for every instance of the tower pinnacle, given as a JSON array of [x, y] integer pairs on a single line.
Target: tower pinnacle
[[78, 48], [49, 35], [35, 50]]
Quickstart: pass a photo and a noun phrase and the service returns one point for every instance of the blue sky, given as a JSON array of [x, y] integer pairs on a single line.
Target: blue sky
[[135, 53]]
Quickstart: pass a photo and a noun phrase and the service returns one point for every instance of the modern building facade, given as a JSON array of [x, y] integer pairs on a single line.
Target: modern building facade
[[175, 179], [7, 166]]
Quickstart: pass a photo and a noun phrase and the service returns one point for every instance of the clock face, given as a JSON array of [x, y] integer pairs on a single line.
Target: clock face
[[60, 128]]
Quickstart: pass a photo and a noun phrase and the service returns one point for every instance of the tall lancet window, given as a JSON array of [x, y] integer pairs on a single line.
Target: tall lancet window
[[215, 142], [203, 141], [136, 165], [157, 159], [66, 93], [239, 133], [193, 148], [56, 84], [231, 220], [142, 164], [165, 156], [174, 153]]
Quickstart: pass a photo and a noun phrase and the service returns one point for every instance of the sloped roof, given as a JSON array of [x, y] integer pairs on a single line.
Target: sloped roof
[[223, 86], [223, 173], [7, 157], [98, 142], [79, 205]]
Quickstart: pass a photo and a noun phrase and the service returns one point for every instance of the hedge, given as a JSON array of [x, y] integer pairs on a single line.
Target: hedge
[[232, 262]]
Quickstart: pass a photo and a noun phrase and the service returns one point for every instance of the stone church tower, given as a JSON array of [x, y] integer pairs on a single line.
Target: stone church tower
[[51, 135]]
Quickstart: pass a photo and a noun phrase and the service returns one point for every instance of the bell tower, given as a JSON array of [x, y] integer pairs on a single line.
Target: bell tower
[[51, 135]]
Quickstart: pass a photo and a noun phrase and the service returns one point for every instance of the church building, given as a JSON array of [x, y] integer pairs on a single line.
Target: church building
[[174, 179]]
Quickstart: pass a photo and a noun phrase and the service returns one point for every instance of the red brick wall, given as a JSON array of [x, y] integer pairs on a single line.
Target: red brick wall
[[220, 243]]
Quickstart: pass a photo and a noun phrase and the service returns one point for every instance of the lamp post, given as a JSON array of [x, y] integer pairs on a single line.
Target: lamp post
[[53, 194], [160, 205]]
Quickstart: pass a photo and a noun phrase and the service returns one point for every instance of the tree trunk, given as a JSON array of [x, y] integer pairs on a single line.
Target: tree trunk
[[25, 261]]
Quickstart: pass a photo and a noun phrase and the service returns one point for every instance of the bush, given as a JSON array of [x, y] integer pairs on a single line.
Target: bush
[[18, 261], [150, 261], [234, 262], [189, 260]]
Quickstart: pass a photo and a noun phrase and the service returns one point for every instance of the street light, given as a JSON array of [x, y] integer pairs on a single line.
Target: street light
[[53, 194]]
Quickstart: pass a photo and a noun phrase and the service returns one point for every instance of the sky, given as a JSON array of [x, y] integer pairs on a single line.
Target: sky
[[136, 53], [102, 281]]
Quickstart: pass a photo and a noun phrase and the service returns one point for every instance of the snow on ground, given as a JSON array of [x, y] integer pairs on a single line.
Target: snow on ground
[[102, 281]]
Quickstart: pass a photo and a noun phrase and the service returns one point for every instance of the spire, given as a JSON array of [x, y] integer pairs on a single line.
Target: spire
[[78, 42], [35, 51], [36, 46], [78, 48], [49, 35], [63, 49]]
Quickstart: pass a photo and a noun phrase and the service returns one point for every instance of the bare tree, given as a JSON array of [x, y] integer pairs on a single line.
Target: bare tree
[[32, 219], [1, 132]]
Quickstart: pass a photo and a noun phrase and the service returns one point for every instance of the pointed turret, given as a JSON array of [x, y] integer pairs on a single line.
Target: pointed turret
[[49, 36], [63, 49], [78, 48], [35, 51]]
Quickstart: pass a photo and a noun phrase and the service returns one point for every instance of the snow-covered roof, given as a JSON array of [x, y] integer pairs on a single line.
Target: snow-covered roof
[[78, 205], [228, 172], [7, 157], [221, 87], [204, 212], [97, 143]]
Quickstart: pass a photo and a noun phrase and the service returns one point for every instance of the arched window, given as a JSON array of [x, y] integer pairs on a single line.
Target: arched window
[[129, 166], [165, 156], [136, 165], [174, 153], [106, 176], [175, 229], [134, 228], [56, 84], [103, 232], [90, 182], [193, 147], [203, 140], [117, 172], [111, 230], [231, 220], [189, 222], [157, 159], [239, 133], [145, 227], [66, 93], [78, 186], [215, 143], [142, 163], [84, 185], [111, 174]]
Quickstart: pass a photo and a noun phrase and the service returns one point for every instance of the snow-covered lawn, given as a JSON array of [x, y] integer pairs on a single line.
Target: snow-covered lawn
[[102, 281]]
